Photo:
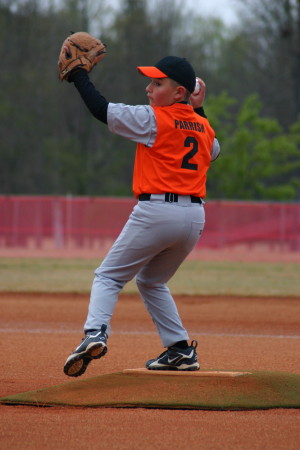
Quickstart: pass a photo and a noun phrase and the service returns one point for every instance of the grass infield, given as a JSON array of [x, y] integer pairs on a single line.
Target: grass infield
[[193, 277]]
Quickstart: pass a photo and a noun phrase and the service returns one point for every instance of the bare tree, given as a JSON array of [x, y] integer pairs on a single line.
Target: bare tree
[[272, 30]]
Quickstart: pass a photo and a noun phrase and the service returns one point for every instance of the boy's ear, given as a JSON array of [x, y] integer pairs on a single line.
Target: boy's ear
[[180, 93]]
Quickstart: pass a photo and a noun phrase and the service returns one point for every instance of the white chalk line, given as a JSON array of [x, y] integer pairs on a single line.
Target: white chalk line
[[146, 333]]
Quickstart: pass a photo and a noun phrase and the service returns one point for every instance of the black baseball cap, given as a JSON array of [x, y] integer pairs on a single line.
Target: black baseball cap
[[179, 69]]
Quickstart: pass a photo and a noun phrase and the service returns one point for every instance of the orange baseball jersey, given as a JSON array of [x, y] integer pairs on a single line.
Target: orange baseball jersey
[[180, 157]]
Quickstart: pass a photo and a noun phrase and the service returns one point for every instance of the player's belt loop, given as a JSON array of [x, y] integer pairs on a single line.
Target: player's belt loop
[[171, 198]]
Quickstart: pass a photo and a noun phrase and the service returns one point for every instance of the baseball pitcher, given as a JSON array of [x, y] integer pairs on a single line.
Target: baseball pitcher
[[175, 145]]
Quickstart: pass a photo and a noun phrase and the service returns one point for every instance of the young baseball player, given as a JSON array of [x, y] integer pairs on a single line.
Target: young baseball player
[[175, 146]]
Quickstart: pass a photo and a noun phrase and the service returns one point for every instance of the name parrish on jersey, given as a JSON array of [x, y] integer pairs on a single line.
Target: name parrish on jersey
[[184, 125]]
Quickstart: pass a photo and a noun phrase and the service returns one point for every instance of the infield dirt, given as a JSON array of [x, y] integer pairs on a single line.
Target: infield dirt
[[40, 330]]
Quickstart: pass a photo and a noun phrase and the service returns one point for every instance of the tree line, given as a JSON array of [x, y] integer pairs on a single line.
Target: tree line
[[50, 144]]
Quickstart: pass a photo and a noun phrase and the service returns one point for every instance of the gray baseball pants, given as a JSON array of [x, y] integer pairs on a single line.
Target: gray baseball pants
[[156, 239]]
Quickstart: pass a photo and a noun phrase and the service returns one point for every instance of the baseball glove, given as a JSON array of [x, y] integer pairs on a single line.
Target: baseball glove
[[79, 50]]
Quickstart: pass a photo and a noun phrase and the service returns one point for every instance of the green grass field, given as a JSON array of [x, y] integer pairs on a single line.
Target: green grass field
[[193, 277]]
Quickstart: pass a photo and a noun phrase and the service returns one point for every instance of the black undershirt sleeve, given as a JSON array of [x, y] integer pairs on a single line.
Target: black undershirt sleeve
[[96, 103]]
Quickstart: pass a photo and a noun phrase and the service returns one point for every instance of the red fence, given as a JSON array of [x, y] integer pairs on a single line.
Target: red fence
[[85, 222]]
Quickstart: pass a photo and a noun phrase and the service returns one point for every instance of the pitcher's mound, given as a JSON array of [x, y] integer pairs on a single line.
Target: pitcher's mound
[[196, 373], [217, 390]]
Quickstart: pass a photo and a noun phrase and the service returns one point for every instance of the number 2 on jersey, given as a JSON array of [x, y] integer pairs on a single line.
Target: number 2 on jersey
[[190, 142]]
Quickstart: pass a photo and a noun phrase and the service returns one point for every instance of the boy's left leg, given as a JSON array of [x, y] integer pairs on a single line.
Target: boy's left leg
[[151, 282]]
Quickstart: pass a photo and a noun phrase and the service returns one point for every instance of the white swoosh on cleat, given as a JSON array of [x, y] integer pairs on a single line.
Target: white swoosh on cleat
[[183, 356]]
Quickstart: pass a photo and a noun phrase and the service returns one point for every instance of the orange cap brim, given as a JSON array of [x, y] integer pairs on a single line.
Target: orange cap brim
[[151, 72]]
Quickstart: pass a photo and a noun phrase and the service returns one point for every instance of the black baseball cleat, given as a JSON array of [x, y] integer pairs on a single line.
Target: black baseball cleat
[[93, 346], [176, 358]]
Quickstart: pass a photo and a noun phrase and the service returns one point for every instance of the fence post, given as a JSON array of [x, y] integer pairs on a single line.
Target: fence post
[[57, 223]]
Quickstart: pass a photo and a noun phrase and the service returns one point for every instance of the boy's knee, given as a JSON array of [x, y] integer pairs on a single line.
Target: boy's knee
[[108, 281], [143, 284]]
